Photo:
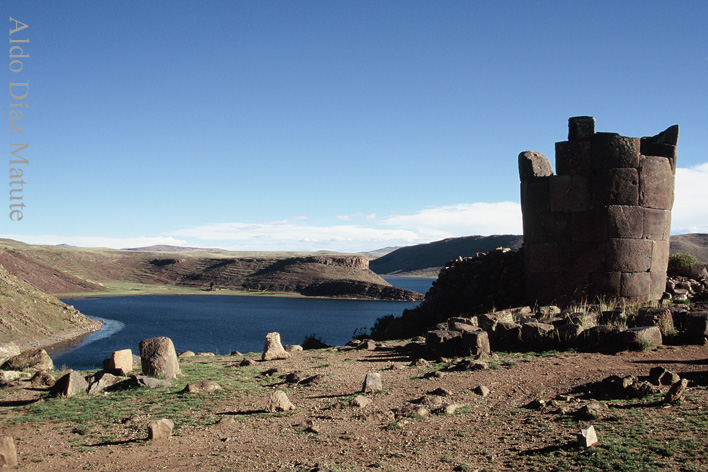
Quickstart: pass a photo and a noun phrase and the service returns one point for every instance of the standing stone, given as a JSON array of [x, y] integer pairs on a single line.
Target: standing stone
[[34, 359], [273, 349], [160, 429], [120, 363], [372, 383], [8, 453], [158, 358], [587, 437], [279, 401], [71, 384]]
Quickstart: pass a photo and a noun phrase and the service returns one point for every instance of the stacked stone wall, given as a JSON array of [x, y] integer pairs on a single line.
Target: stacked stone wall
[[601, 224]]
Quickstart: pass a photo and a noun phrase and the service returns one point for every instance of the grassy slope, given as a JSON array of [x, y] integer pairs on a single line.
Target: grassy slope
[[27, 313], [695, 243]]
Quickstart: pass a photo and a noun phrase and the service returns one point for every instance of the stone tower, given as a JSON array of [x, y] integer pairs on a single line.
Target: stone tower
[[601, 225]]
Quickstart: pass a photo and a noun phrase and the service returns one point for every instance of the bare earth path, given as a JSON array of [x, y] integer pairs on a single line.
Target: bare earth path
[[325, 433]]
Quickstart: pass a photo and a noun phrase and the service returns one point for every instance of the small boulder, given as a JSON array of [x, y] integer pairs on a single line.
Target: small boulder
[[273, 349], [293, 348], [279, 401], [158, 358], [101, 381], [360, 401], [587, 437], [8, 453], [482, 391], [185, 354], [120, 362], [160, 429], [642, 337], [591, 411], [71, 384], [372, 383], [206, 386], [247, 363], [42, 379], [143, 381], [676, 391], [34, 359]]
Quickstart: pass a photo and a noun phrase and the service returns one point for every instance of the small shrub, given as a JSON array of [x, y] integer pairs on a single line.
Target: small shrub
[[681, 261]]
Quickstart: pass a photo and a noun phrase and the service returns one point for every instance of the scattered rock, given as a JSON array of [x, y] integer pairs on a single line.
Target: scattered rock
[[311, 427], [225, 421], [43, 379], [442, 392], [247, 362], [120, 363], [206, 386], [587, 437], [160, 429], [293, 378], [420, 362], [436, 374], [642, 337], [591, 411], [279, 401], [185, 354], [360, 401], [158, 358], [451, 408], [8, 453], [293, 348], [71, 384], [141, 381], [101, 381], [372, 383], [676, 391], [205, 354], [482, 391], [272, 349], [368, 345], [642, 389], [11, 375], [235, 353], [34, 359], [314, 380]]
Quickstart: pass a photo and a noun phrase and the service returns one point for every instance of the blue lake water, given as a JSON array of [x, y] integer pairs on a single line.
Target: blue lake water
[[222, 323]]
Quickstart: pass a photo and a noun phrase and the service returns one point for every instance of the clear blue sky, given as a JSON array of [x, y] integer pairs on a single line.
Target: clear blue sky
[[347, 125]]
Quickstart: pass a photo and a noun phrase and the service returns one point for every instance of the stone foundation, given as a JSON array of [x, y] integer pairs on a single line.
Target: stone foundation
[[601, 225]]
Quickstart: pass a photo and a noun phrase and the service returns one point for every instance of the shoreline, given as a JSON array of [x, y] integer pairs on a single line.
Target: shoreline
[[60, 337]]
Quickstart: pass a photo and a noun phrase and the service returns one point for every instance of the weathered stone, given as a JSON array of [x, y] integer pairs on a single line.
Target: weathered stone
[[141, 381], [656, 183], [120, 363], [33, 360], [635, 285], [247, 363], [8, 453], [697, 326], [591, 411], [8, 350], [205, 386], [581, 128], [482, 391], [360, 401], [625, 221], [587, 437], [660, 317], [657, 224], [158, 358], [676, 391], [659, 256], [273, 349], [70, 385], [657, 283], [536, 333], [568, 334], [293, 348], [102, 381], [573, 158], [160, 429], [616, 187], [588, 226], [451, 408], [533, 164], [186, 354], [642, 337], [279, 401], [612, 151], [372, 383], [42, 379], [629, 255]]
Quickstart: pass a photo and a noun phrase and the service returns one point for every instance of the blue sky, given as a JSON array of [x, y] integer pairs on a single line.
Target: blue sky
[[347, 126]]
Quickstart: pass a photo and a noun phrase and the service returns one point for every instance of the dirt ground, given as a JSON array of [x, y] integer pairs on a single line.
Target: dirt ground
[[324, 432]]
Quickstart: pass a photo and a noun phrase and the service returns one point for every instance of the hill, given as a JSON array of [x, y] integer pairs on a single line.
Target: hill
[[426, 260], [693, 243], [66, 270], [28, 315]]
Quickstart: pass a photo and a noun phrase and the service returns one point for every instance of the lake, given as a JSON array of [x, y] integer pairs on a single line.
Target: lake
[[222, 323]]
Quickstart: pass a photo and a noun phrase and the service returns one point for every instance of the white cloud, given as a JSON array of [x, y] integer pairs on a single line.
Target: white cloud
[[97, 241], [690, 212]]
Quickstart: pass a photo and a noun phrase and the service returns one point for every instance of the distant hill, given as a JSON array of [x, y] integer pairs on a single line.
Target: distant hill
[[693, 243], [426, 260], [376, 253], [168, 248]]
